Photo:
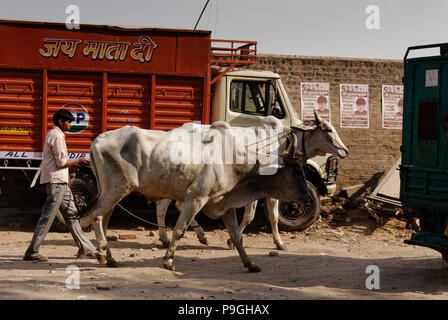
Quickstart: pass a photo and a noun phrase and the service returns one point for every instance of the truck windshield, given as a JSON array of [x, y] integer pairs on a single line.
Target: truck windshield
[[255, 97]]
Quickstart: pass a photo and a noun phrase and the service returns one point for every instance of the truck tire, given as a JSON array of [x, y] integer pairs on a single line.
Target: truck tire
[[293, 216], [445, 255], [84, 191]]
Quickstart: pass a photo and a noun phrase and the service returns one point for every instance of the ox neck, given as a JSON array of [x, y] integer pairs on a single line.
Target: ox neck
[[303, 146], [294, 152]]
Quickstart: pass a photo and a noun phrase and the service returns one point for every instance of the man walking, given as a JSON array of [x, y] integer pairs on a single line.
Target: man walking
[[54, 174]]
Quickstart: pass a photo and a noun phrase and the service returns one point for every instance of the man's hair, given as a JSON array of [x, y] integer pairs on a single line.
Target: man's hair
[[64, 115]]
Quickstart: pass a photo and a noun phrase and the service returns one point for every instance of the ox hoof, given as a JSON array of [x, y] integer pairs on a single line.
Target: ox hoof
[[112, 264], [230, 244], [169, 265], [281, 247], [101, 258], [204, 241], [252, 267]]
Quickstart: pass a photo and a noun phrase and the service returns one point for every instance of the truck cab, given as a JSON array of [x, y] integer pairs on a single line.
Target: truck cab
[[243, 98]]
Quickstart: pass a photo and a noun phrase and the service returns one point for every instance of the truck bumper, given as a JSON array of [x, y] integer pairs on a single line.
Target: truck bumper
[[331, 189], [331, 168]]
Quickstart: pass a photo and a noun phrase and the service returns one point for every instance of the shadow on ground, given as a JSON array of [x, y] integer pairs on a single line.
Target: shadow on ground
[[398, 275]]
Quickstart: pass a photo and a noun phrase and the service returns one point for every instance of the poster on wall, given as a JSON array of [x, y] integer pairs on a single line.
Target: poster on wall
[[315, 96], [354, 102], [392, 98]]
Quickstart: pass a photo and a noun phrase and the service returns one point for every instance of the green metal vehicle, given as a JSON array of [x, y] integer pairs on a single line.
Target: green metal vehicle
[[424, 165]]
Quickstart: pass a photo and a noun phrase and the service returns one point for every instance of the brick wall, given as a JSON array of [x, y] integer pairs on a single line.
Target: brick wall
[[371, 151]]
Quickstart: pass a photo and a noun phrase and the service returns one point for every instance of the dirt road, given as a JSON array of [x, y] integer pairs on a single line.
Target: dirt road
[[327, 261]]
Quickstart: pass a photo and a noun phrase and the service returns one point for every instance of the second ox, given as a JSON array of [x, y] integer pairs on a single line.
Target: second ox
[[315, 138]]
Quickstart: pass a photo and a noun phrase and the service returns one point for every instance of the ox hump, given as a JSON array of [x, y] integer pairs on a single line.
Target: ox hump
[[220, 125]]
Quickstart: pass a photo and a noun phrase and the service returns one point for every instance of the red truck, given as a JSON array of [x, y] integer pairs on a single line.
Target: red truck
[[111, 76]]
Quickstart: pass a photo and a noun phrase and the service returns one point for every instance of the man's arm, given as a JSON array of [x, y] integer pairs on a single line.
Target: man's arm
[[60, 153], [77, 162]]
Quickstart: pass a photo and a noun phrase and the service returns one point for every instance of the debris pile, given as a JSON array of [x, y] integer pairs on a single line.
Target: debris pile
[[339, 208]]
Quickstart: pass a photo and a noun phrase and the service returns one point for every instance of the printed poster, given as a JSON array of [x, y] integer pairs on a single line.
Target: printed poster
[[392, 97], [354, 102], [315, 96]]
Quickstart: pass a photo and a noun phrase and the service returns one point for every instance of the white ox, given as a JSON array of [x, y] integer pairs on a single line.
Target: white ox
[[316, 138], [132, 159]]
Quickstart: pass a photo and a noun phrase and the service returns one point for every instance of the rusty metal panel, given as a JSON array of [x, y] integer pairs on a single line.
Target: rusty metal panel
[[100, 48], [80, 93], [193, 54], [128, 101], [20, 110], [178, 100]]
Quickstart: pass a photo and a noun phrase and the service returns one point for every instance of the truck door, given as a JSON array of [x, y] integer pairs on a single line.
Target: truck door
[[425, 125]]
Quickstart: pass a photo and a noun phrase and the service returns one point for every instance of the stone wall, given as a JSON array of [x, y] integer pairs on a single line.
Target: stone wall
[[372, 151]]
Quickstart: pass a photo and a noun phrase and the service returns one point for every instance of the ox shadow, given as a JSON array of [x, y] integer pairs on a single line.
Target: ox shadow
[[426, 275]]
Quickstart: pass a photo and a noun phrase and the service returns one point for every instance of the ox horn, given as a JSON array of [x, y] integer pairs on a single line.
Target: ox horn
[[317, 117]]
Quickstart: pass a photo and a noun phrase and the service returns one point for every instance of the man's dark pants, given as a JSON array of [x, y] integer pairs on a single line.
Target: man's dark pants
[[59, 196]]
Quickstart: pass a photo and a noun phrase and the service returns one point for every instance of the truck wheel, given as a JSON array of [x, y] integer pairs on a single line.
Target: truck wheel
[[293, 216], [84, 191]]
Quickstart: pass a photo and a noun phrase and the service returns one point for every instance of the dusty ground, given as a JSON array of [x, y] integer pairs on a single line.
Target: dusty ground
[[327, 261]]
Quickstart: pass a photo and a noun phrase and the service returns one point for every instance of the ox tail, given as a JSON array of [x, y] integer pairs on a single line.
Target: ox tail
[[95, 172]]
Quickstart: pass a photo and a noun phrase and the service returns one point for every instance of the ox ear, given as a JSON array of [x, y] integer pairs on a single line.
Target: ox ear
[[255, 171], [317, 118]]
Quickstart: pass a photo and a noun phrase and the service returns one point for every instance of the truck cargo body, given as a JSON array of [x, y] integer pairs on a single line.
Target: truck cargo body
[[108, 77]]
